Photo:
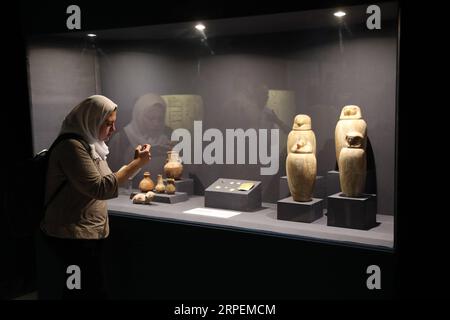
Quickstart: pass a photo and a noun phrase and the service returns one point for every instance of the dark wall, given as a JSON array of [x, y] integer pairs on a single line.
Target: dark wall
[[17, 267], [60, 75]]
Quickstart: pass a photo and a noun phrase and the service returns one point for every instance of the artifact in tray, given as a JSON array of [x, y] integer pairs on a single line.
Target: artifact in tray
[[246, 186]]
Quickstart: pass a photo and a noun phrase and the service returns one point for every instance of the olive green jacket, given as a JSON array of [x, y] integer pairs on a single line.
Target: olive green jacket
[[79, 210]]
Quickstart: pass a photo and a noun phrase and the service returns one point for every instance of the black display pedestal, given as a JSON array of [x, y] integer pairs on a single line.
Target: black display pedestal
[[319, 188], [288, 209], [184, 185], [354, 213], [170, 198], [224, 194]]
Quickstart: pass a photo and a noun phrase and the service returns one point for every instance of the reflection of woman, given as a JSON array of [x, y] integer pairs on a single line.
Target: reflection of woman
[[147, 126]]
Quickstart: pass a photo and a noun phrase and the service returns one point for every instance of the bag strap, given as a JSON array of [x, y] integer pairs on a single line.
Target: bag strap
[[60, 138], [66, 136]]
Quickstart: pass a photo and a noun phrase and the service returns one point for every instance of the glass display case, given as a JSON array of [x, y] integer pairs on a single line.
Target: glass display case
[[301, 105]]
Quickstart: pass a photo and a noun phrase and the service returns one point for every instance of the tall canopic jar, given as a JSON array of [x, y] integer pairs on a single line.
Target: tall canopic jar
[[353, 165], [301, 170], [173, 167], [301, 130], [350, 120]]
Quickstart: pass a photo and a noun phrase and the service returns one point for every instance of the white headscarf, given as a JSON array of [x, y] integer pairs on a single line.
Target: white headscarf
[[137, 130], [86, 118]]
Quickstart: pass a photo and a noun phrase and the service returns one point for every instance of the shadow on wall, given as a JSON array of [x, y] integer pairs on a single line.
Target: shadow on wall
[[323, 162], [371, 179]]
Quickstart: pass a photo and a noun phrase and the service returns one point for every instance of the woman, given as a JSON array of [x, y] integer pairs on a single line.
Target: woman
[[147, 125], [76, 220]]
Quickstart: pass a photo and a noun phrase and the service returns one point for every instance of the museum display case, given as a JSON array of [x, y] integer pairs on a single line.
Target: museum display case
[[301, 105]]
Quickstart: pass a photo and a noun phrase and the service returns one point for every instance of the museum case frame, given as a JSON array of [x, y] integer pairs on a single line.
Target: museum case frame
[[116, 60], [123, 63]]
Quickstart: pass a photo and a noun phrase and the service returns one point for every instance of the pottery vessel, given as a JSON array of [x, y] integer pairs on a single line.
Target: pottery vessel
[[160, 187], [170, 187], [146, 183], [173, 167]]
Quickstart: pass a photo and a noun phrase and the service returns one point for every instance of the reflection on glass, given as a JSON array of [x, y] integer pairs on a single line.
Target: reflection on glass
[[183, 110], [146, 126]]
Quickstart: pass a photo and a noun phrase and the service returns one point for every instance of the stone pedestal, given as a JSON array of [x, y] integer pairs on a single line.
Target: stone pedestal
[[224, 194], [170, 198], [354, 213], [288, 209], [199, 188]]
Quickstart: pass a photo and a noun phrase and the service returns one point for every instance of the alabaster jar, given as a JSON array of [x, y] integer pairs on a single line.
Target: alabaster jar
[[160, 187], [301, 169], [353, 165], [350, 120], [301, 130], [146, 183], [170, 187], [173, 167]]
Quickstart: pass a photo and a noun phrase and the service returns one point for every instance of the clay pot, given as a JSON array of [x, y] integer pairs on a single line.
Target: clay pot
[[352, 166], [146, 183], [350, 120], [301, 169], [160, 187], [301, 130], [170, 187], [173, 167]]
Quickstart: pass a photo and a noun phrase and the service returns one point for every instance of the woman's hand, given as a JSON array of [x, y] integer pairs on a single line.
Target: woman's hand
[[142, 154], [141, 157]]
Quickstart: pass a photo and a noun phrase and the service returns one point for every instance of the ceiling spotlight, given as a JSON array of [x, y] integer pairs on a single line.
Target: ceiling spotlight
[[91, 35], [339, 14], [200, 27]]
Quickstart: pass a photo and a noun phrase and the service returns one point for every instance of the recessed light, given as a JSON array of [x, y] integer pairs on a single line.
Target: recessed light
[[200, 27], [91, 35], [339, 14]]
